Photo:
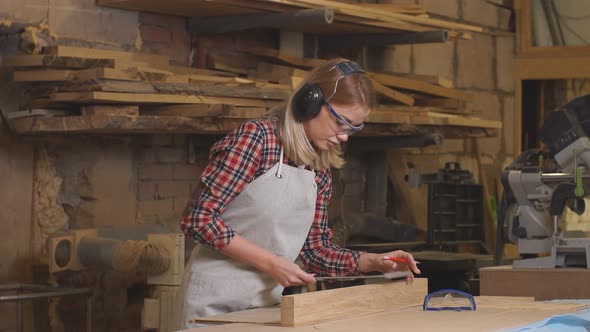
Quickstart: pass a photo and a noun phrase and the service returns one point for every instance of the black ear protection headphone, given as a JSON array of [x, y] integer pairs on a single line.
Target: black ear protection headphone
[[308, 101]]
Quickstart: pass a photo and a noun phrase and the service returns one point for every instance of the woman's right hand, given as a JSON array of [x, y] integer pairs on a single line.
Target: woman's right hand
[[287, 273], [281, 269]]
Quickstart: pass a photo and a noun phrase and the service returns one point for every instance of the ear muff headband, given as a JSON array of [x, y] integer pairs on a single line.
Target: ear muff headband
[[308, 101]]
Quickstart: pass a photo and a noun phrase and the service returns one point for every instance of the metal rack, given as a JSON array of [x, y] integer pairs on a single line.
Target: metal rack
[[26, 292]]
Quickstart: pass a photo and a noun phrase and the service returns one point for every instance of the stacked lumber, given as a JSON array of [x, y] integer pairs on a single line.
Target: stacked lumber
[[106, 91], [348, 17]]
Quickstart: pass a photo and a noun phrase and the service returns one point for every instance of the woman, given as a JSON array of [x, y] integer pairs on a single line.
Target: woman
[[265, 197]]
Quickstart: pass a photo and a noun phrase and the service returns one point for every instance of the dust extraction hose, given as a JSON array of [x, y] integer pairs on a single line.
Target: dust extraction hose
[[129, 256]]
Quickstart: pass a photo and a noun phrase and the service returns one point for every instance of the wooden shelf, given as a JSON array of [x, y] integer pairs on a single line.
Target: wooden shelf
[[123, 124], [348, 18], [191, 8]]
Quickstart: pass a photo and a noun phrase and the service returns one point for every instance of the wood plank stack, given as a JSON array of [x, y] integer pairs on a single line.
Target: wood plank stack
[[104, 91]]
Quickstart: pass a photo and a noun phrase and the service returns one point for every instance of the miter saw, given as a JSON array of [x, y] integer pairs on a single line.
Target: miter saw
[[540, 184]]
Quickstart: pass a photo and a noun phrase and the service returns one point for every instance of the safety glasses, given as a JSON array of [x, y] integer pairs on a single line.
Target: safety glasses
[[345, 126]]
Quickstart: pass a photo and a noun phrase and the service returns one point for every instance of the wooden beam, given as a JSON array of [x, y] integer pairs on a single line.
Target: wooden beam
[[190, 8], [155, 98], [392, 94], [52, 61], [384, 115], [563, 67], [120, 124], [322, 306], [204, 110], [489, 224], [434, 79], [128, 110], [420, 86], [409, 9], [220, 90], [282, 57], [95, 53], [524, 23]]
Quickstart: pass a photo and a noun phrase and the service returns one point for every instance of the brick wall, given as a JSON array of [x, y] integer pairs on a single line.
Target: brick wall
[[166, 179], [166, 35]]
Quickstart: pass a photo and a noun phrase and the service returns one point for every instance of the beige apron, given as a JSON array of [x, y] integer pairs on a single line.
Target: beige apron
[[275, 211]]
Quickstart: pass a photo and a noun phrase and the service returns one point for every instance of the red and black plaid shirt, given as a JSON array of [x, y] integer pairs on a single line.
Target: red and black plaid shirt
[[236, 160]]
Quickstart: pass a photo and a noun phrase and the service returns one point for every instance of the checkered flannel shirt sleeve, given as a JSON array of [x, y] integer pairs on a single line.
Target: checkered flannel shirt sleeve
[[233, 164], [319, 254]]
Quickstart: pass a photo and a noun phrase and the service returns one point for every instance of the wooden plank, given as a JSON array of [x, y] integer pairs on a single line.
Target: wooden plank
[[517, 116], [569, 283], [311, 308], [490, 221], [392, 94], [524, 302], [95, 53], [155, 98], [36, 112], [392, 116], [43, 75], [198, 71], [416, 85], [221, 90], [380, 116], [189, 8], [120, 124], [52, 75], [129, 75], [52, 61], [129, 110], [240, 64], [240, 91], [524, 23], [418, 110], [434, 79], [275, 73], [551, 68], [409, 9], [204, 110], [218, 79], [450, 105], [462, 121], [282, 57]]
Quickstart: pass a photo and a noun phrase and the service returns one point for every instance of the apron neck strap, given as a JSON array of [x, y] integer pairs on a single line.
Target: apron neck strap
[[279, 174]]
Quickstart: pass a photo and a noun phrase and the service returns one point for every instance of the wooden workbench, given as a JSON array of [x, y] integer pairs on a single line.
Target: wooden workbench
[[483, 319], [400, 309]]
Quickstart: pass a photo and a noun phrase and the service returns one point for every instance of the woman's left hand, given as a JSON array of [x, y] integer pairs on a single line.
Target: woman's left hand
[[379, 262]]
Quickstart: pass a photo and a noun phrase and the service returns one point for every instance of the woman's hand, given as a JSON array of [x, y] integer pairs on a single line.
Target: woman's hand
[[281, 269], [377, 262], [287, 273]]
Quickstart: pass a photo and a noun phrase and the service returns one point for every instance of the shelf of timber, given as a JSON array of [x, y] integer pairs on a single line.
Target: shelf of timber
[[221, 118], [79, 90]]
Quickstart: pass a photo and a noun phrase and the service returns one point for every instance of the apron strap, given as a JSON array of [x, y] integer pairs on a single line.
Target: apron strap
[[279, 174]]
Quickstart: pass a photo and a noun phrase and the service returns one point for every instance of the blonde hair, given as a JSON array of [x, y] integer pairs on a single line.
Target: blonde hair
[[353, 90]]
